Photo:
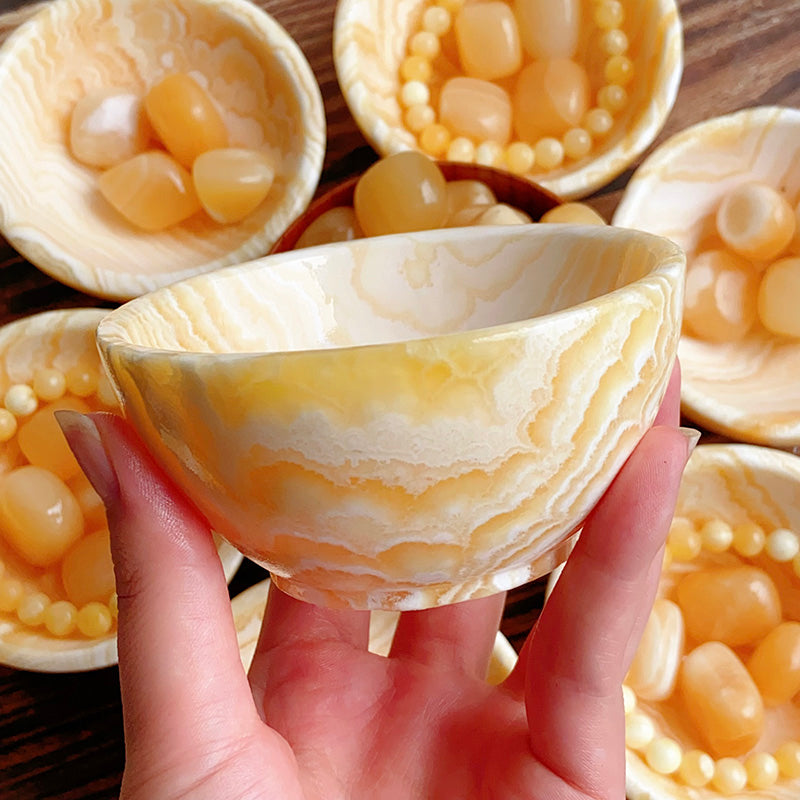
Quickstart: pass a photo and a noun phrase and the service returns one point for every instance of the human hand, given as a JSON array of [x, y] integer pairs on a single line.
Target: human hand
[[321, 718]]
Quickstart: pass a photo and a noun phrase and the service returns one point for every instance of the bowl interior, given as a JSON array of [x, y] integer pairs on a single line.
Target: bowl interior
[[52, 211], [368, 70], [746, 389], [392, 289]]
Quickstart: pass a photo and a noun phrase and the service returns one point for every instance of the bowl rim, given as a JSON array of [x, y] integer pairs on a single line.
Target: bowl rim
[[48, 255], [697, 404], [584, 178], [668, 258], [76, 654]]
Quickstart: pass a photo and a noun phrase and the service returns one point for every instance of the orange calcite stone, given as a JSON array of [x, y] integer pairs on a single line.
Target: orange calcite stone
[[720, 304], [335, 225], [549, 28], [39, 516], [775, 664], [488, 40], [550, 97], [87, 571], [721, 699], [152, 191], [779, 298], [42, 442], [734, 605], [185, 118], [756, 221], [401, 193], [477, 109], [465, 193], [232, 182], [107, 127]]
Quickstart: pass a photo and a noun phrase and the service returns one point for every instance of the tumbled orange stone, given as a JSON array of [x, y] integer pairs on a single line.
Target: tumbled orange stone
[[720, 303], [42, 442], [403, 192], [775, 664], [779, 297], [721, 699], [39, 516], [477, 109], [735, 605], [107, 127], [549, 28], [152, 191], [87, 570], [232, 182], [185, 118], [488, 40], [550, 97], [334, 225]]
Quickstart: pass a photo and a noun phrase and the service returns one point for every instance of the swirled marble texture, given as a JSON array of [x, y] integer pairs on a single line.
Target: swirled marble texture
[[61, 340], [735, 483], [405, 421], [370, 41], [50, 209], [748, 390]]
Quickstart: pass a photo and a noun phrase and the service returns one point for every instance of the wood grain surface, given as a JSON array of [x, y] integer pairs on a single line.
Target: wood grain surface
[[61, 735]]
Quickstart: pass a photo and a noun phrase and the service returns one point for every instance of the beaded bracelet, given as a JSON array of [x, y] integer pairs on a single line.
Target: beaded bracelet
[[518, 157]]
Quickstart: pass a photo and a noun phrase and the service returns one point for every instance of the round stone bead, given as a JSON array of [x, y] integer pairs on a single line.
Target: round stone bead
[[729, 776], [20, 400], [461, 149], [762, 770], [549, 153], [612, 98], [639, 730], [49, 384], [418, 118], [664, 755], [782, 545], [697, 768], [577, 143], [8, 425]]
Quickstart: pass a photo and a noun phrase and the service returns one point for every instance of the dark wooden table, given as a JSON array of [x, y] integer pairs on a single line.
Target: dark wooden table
[[61, 735]]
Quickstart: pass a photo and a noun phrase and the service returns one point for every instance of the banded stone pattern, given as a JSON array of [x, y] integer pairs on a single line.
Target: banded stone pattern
[[735, 483], [748, 390], [370, 39], [50, 210], [405, 421]]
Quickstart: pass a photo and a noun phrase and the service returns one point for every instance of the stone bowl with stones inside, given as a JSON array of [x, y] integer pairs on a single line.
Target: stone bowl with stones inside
[[57, 594], [711, 697], [145, 141], [408, 420], [566, 93], [728, 192], [408, 191]]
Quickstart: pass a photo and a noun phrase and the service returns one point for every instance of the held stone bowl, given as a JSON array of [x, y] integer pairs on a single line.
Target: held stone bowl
[[405, 421], [50, 208]]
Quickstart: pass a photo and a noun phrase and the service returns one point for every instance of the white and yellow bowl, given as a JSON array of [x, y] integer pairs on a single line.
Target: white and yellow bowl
[[53, 340], [370, 41], [747, 389], [50, 208], [736, 485], [405, 421]]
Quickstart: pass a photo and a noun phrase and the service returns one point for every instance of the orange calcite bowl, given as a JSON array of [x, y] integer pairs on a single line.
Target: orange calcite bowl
[[515, 191], [747, 389], [405, 421], [58, 340], [51, 210], [371, 39]]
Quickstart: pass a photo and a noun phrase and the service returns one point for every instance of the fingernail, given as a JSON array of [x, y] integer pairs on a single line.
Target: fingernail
[[692, 438], [85, 442]]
